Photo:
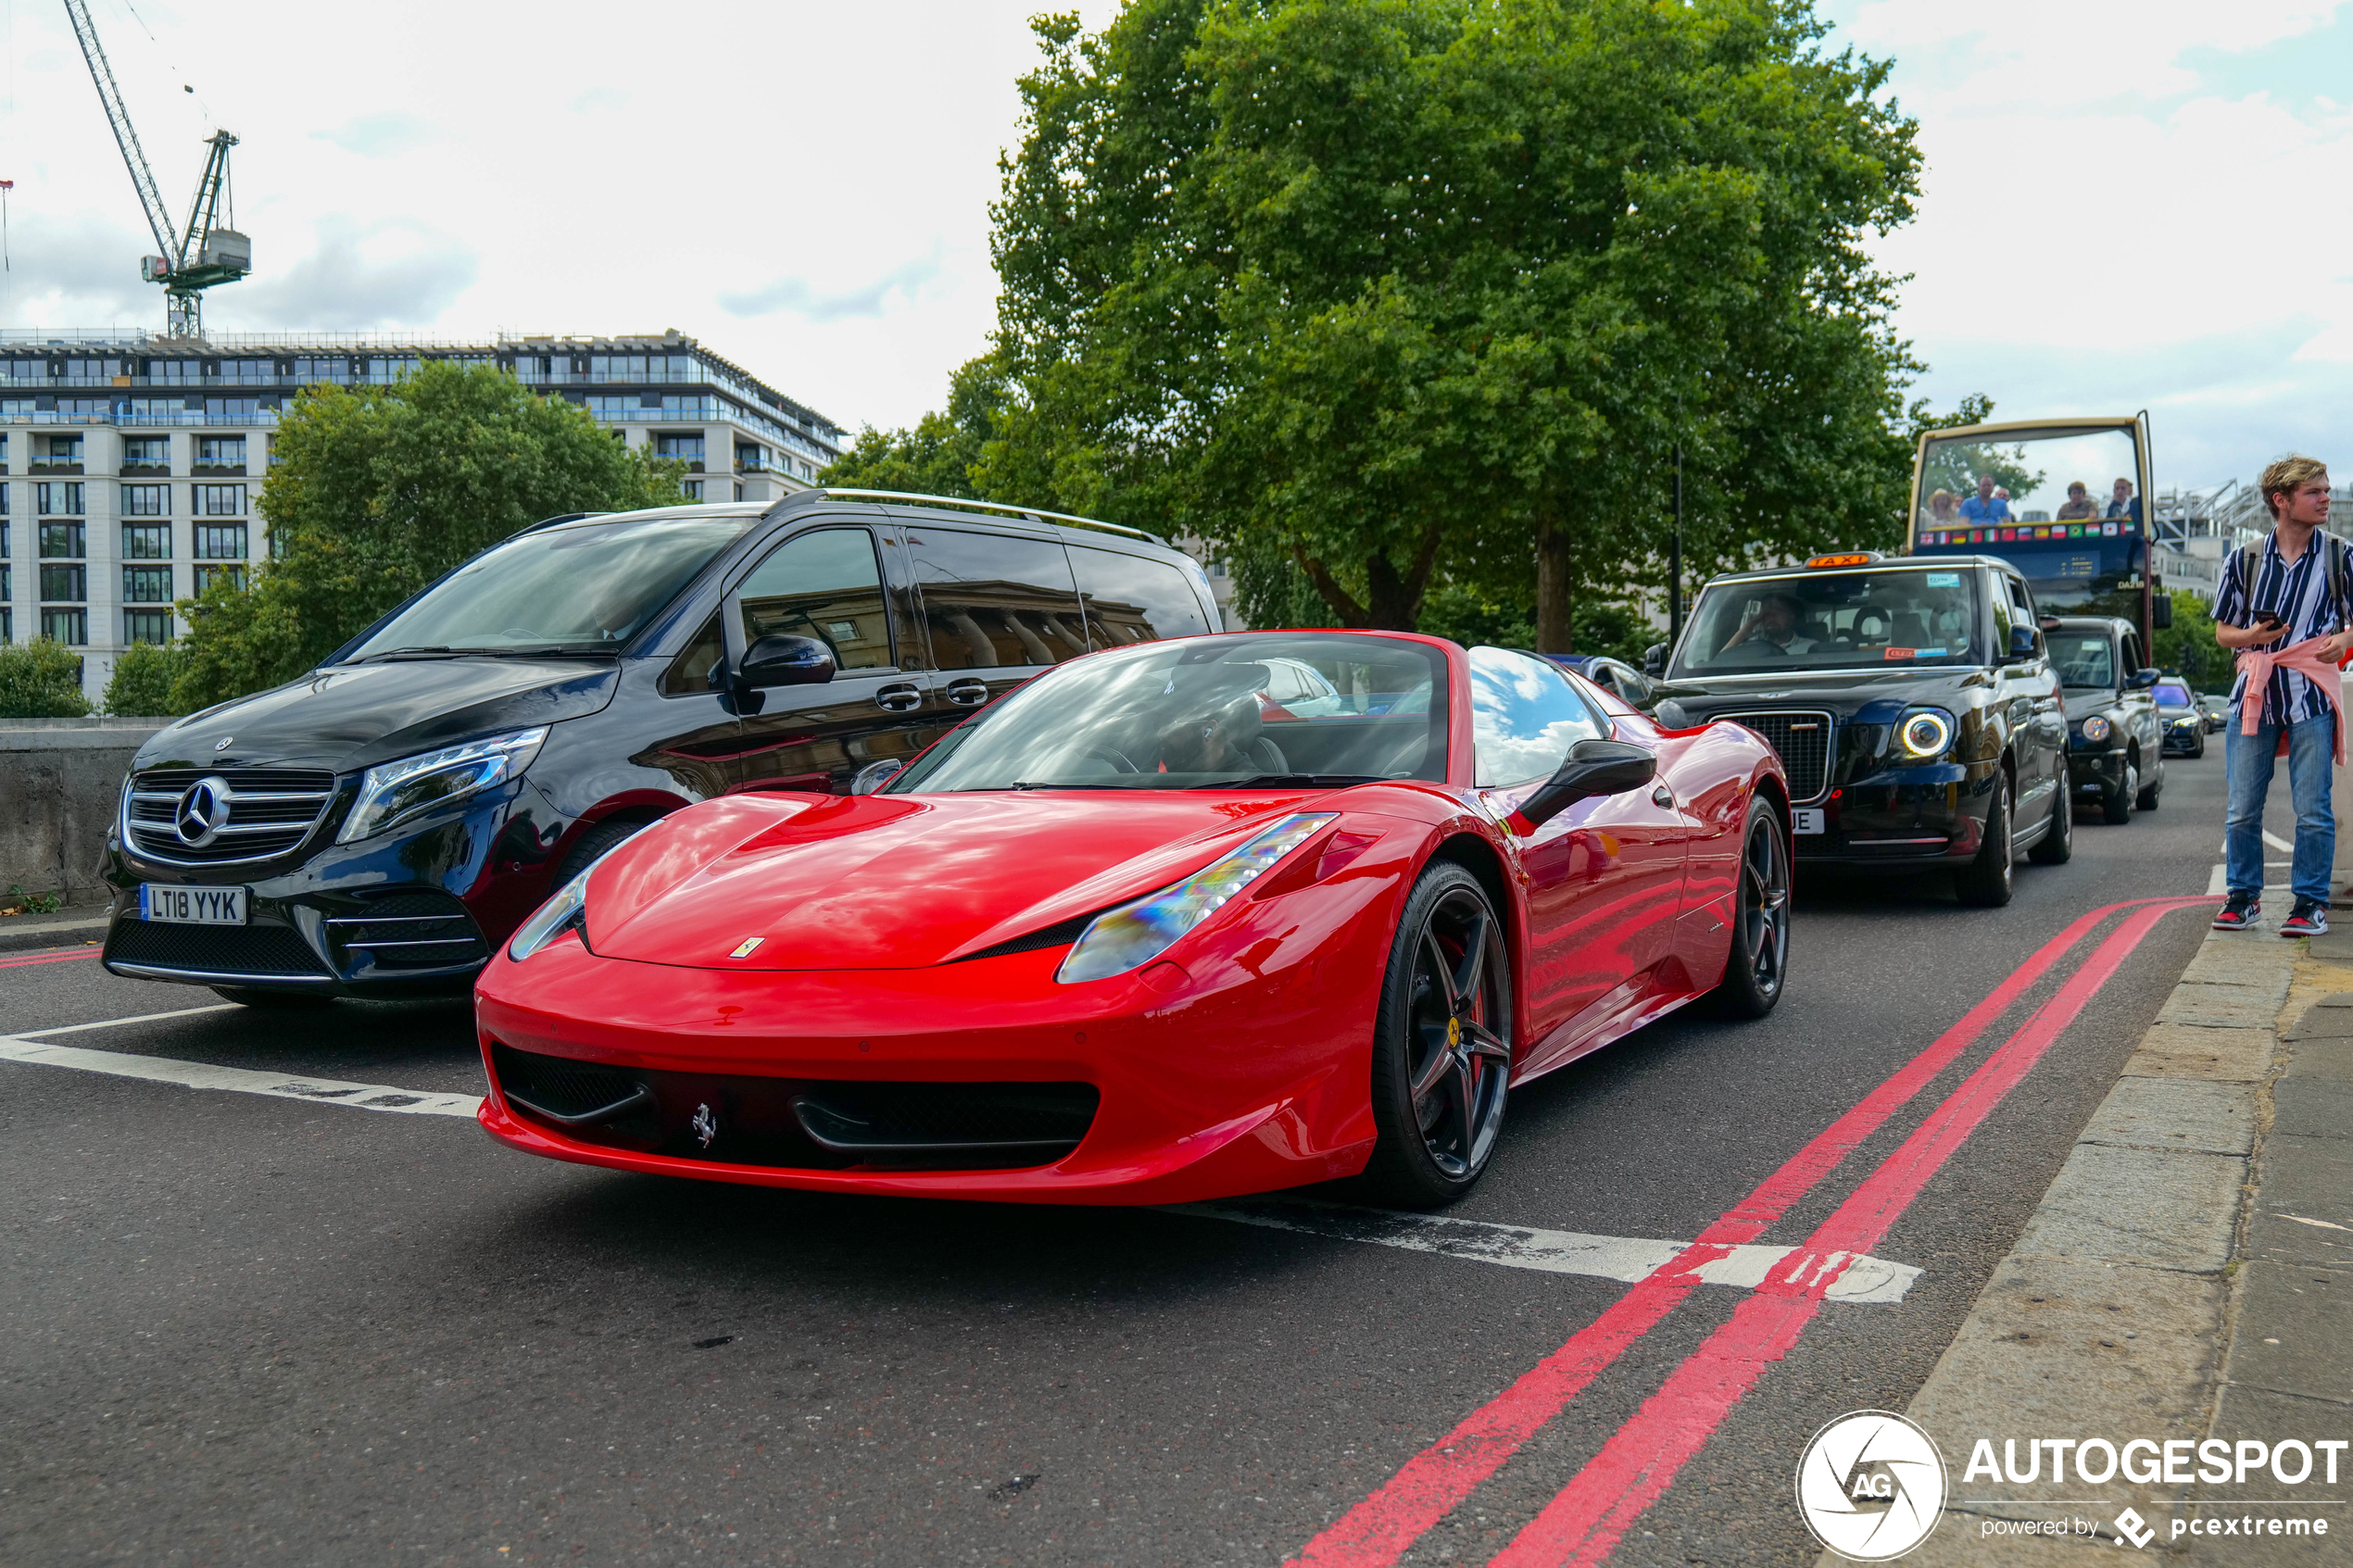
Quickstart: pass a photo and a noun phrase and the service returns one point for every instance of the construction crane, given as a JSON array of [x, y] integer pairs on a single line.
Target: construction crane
[[208, 250]]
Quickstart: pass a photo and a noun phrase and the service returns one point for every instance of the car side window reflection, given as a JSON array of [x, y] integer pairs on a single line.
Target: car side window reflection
[[824, 585], [1525, 716]]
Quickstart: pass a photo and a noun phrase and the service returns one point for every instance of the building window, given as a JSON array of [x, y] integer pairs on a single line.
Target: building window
[[157, 412], [56, 449], [146, 541], [3, 499], [147, 584], [693, 487], [70, 627], [249, 372], [170, 371], [740, 490], [271, 458], [222, 451], [382, 372], [220, 541], [146, 626], [231, 410], [51, 498], [684, 449], [208, 575], [147, 500], [335, 371], [220, 500], [63, 540], [146, 451], [65, 582]]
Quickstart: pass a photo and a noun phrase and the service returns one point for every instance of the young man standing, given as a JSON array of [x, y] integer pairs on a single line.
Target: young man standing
[[2297, 588]]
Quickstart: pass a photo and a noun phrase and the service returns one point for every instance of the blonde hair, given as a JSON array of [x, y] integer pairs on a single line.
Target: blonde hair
[[2287, 475]]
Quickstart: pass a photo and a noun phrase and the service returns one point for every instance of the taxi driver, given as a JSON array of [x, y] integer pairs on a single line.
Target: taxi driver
[[1774, 623]]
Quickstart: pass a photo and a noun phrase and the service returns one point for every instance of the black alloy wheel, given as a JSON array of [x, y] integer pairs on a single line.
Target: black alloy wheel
[[1985, 881], [2056, 846], [1758, 962], [1443, 1046]]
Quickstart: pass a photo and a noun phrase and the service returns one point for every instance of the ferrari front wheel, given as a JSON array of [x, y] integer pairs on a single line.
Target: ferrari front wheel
[[1758, 963], [1442, 1044]]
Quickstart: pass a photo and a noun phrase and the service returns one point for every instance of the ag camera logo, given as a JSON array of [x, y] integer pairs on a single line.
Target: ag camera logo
[[1870, 1486]]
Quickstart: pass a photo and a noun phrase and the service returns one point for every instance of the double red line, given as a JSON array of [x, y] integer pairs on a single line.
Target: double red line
[[1641, 1461], [47, 958]]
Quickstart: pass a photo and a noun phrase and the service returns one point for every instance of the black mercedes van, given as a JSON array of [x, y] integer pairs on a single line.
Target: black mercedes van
[[373, 828]]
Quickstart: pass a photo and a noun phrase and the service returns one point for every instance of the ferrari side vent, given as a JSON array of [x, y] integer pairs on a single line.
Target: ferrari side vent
[[1058, 936], [574, 1093]]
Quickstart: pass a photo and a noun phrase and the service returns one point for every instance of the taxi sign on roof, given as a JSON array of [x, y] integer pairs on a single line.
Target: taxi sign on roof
[[1853, 557]]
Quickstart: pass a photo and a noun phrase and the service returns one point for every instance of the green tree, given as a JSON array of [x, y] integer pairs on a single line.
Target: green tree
[[938, 455], [2189, 646], [1406, 292], [41, 679], [142, 680], [378, 489]]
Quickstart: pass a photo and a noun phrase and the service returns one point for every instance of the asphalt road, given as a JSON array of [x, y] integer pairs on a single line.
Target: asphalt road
[[245, 1329]]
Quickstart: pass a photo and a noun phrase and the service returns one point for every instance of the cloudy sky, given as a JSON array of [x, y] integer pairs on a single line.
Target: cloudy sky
[[2137, 204]]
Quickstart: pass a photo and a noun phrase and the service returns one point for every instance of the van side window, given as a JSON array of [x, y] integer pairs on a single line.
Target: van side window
[[1130, 599], [995, 600], [689, 674], [824, 585]]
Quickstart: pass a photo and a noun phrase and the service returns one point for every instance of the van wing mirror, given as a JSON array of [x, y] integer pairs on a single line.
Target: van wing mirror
[[1593, 767], [2161, 612], [2142, 680], [2025, 642], [780, 660], [1654, 659]]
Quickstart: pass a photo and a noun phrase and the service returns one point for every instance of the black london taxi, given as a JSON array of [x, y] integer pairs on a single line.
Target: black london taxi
[[372, 828], [2115, 739], [1910, 698]]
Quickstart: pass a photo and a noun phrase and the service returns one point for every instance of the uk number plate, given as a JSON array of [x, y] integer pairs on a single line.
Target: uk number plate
[[1805, 819], [192, 906]]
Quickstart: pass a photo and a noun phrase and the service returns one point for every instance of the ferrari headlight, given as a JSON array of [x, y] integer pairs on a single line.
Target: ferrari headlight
[[1134, 934], [1925, 732], [2095, 729], [393, 792], [567, 909]]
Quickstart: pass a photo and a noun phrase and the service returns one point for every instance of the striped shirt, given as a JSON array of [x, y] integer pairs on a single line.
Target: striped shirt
[[2302, 595]]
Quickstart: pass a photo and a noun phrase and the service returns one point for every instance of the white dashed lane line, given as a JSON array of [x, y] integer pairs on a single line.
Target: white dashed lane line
[[32, 1048], [1867, 1279]]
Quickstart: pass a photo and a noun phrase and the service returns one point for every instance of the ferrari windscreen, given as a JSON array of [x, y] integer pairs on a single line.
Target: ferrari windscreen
[[1233, 713]]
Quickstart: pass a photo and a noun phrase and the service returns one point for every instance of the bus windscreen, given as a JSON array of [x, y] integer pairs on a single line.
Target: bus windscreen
[[2061, 505]]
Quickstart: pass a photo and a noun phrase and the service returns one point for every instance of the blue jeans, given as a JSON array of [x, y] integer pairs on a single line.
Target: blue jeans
[[2246, 765]]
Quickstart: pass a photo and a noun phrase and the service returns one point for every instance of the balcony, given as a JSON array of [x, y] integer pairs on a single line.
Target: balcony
[[131, 468], [211, 470], [39, 466]]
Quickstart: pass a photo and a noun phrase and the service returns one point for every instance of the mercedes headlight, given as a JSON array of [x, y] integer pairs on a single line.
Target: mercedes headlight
[[1925, 732], [1134, 934], [2095, 729], [393, 792]]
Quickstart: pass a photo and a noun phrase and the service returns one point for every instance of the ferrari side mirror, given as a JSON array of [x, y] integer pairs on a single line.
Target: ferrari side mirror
[[780, 660], [1594, 766]]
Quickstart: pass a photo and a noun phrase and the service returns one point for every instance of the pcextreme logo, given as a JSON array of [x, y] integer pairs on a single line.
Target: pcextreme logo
[[1870, 1486]]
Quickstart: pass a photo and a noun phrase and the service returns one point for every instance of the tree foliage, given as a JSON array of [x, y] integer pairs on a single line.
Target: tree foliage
[[142, 682], [1381, 295], [41, 679], [938, 455], [376, 491], [2189, 646]]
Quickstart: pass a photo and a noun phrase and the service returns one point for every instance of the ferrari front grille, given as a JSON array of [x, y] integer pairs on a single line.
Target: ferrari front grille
[[267, 812], [1802, 740]]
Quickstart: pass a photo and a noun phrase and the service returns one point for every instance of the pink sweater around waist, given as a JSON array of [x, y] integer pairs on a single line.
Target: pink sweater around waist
[[2306, 659]]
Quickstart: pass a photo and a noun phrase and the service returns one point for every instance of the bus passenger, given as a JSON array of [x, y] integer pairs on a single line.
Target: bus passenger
[[2126, 504], [1985, 506], [2080, 505], [1943, 510]]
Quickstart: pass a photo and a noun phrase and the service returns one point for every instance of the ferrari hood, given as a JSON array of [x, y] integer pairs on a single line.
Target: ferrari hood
[[896, 881]]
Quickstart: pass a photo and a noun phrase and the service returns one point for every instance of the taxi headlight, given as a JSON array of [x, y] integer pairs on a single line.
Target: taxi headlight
[[1925, 733], [2095, 729], [1132, 936], [393, 792]]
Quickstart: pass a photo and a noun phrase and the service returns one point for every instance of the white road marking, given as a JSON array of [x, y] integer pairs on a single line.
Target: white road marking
[[2276, 842], [27, 1047], [1628, 1258]]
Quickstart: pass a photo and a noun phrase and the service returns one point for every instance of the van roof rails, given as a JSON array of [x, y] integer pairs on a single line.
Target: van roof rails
[[960, 503]]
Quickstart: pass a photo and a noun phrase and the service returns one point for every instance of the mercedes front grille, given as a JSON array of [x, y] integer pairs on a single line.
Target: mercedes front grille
[[222, 817]]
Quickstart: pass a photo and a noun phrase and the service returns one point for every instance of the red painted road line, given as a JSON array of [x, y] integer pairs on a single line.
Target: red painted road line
[[48, 957], [1584, 1524], [1377, 1532]]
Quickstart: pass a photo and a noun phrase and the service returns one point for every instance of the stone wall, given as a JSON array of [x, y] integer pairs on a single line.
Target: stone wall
[[60, 781]]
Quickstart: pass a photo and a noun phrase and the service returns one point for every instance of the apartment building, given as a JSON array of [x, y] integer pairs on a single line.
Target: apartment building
[[132, 466]]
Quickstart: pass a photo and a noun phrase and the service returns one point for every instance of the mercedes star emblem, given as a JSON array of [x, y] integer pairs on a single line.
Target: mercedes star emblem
[[224, 743], [202, 811]]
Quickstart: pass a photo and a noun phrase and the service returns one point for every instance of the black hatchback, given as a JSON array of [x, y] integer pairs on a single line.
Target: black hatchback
[[375, 827]]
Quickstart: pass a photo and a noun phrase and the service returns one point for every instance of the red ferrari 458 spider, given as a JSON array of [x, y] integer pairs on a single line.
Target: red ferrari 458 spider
[[1178, 920]]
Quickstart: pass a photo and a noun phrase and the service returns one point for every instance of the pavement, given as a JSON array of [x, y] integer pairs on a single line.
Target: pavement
[[268, 1299]]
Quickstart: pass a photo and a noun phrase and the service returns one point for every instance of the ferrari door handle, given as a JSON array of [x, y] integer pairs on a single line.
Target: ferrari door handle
[[898, 698], [968, 693], [1662, 796]]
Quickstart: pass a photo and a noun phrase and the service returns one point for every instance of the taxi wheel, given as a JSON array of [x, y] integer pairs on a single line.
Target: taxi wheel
[[1442, 1045], [2057, 847], [1985, 881], [2146, 799], [1758, 963], [2116, 809]]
